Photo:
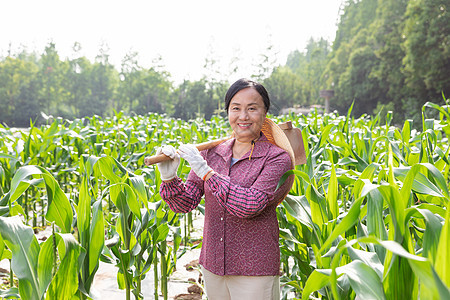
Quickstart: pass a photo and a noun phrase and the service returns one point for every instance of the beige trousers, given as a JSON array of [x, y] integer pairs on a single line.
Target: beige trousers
[[241, 287]]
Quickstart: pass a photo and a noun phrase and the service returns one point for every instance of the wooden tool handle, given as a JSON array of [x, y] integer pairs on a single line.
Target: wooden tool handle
[[150, 160]]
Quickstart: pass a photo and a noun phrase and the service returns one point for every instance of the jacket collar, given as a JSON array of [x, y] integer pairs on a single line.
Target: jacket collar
[[261, 147]]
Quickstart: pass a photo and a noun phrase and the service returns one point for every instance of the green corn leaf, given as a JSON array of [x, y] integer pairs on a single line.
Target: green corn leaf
[[406, 132], [106, 165], [432, 231], [298, 173], [138, 184], [3, 155], [438, 107], [131, 199], [19, 184], [375, 219], [442, 155], [2, 176], [397, 208], [65, 283], [369, 258], [442, 263], [4, 252], [97, 236], [88, 165], [363, 187], [83, 212], [90, 263], [413, 180], [432, 286], [315, 282], [11, 293], [346, 223], [390, 161], [346, 128], [317, 204], [325, 133], [441, 211], [122, 227], [160, 233], [362, 164], [332, 195], [359, 145], [439, 178], [363, 279], [45, 263], [25, 248], [298, 207], [59, 209]]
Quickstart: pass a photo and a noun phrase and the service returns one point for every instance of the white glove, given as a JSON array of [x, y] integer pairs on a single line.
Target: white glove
[[168, 168], [191, 154]]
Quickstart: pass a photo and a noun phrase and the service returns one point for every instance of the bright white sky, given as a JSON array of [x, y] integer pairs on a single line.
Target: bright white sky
[[183, 32]]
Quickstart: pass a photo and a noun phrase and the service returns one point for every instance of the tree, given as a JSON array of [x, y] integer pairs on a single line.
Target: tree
[[349, 70], [310, 67], [191, 95], [144, 90], [356, 15], [78, 83], [51, 74], [387, 40], [104, 81], [130, 86], [18, 89], [156, 92], [285, 89], [427, 51], [357, 83]]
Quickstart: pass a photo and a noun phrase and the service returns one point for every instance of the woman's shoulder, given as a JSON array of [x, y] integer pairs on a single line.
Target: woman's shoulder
[[274, 150], [278, 152], [222, 149]]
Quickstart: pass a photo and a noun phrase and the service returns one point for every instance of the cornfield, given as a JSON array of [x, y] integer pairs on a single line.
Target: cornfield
[[367, 217]]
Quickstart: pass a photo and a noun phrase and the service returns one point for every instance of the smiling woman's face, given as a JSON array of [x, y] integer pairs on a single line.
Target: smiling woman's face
[[246, 114]]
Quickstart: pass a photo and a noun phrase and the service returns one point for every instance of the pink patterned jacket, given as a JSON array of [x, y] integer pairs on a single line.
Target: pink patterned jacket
[[240, 235]]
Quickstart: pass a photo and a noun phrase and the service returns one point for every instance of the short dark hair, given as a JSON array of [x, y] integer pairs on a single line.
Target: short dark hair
[[244, 83]]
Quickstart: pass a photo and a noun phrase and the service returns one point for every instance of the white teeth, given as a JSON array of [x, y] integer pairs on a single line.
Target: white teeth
[[244, 125]]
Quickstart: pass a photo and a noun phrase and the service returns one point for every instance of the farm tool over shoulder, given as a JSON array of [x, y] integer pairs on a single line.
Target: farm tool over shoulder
[[294, 146]]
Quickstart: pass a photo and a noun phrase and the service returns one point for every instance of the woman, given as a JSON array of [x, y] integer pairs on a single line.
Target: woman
[[240, 255]]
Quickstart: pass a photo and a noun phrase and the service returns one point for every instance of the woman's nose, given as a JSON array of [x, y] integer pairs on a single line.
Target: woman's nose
[[244, 115]]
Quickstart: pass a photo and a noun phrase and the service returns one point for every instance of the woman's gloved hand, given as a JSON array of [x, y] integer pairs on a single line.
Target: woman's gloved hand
[[168, 168], [191, 154]]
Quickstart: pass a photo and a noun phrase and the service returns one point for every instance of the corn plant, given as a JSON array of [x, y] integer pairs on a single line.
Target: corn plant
[[35, 264], [368, 213], [90, 228]]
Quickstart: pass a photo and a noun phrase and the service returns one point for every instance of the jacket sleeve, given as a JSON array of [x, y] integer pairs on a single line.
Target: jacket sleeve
[[182, 197], [247, 202]]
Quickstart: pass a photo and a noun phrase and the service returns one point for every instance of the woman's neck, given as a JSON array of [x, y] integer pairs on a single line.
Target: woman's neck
[[241, 147]]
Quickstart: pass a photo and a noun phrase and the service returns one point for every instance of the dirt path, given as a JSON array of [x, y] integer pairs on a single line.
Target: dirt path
[[105, 282]]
